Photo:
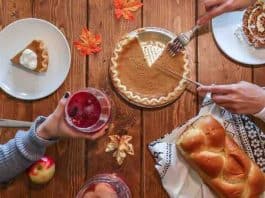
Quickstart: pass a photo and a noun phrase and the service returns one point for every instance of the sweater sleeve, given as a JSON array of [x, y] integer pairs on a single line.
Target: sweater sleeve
[[19, 153]]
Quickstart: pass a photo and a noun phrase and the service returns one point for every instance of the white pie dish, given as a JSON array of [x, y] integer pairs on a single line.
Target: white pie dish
[[22, 83]]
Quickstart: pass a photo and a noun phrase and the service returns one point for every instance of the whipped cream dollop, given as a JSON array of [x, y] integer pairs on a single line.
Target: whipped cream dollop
[[28, 59]]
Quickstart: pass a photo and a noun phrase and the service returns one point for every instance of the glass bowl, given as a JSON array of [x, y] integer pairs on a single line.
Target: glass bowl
[[88, 110], [113, 184]]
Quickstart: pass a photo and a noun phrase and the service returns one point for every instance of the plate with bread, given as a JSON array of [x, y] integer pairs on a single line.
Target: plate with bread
[[215, 154], [35, 58], [241, 34]]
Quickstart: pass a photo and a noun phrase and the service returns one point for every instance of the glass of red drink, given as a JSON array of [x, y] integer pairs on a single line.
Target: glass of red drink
[[88, 110], [105, 186]]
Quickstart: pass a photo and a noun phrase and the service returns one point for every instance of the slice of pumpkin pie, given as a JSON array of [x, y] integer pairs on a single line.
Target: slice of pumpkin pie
[[34, 57]]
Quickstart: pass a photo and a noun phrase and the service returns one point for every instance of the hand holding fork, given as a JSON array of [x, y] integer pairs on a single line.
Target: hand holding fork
[[182, 40]]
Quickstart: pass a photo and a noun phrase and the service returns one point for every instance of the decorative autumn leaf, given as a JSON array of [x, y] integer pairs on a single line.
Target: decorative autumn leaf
[[124, 8], [121, 146], [88, 43]]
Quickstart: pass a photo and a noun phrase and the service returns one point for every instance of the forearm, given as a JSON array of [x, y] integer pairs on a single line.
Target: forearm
[[261, 114], [243, 4], [19, 153]]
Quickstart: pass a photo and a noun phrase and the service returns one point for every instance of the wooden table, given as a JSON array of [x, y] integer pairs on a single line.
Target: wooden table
[[78, 160]]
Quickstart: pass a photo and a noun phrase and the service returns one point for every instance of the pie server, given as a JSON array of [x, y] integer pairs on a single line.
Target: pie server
[[14, 123]]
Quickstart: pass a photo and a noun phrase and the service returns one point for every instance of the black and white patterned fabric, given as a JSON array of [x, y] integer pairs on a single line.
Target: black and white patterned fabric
[[251, 137]]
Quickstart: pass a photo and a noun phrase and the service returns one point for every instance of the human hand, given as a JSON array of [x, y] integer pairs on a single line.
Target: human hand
[[241, 98], [56, 126], [217, 7]]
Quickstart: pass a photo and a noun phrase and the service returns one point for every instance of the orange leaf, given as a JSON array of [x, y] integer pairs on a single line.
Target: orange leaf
[[88, 43], [124, 8]]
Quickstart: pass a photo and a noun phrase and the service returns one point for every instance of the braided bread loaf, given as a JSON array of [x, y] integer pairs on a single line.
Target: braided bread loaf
[[219, 161]]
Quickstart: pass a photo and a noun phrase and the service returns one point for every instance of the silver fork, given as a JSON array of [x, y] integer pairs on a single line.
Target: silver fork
[[178, 43]]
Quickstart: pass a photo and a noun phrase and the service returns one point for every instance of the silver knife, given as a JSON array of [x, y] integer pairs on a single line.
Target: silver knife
[[14, 123]]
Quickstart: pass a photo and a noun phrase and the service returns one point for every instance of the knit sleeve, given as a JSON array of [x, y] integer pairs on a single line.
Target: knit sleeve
[[19, 153]]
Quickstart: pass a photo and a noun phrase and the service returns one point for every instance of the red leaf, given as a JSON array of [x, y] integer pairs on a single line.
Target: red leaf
[[124, 8], [88, 43]]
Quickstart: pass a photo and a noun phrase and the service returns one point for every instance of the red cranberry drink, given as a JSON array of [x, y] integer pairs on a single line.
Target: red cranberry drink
[[105, 186], [88, 110]]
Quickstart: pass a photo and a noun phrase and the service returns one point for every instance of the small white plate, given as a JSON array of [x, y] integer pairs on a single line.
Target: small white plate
[[224, 28], [22, 83]]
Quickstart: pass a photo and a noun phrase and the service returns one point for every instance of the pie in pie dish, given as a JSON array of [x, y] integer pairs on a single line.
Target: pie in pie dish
[[143, 84], [34, 57], [254, 24]]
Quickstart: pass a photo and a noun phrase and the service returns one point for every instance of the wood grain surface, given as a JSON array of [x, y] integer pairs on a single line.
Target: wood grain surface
[[79, 160], [214, 67], [168, 15], [125, 118], [12, 108], [69, 16]]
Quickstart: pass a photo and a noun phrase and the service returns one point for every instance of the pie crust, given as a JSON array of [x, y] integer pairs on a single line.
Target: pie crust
[[39, 48], [254, 24], [144, 85]]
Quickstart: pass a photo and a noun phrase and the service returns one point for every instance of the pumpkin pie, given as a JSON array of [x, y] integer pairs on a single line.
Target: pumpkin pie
[[34, 57], [254, 24], [143, 84]]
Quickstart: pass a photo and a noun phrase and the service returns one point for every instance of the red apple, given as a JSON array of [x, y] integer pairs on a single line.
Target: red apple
[[42, 171], [101, 190]]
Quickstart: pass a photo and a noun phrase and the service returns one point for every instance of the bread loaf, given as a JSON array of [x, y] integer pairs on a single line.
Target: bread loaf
[[220, 162]]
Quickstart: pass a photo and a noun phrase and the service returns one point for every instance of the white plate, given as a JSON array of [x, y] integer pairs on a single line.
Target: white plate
[[224, 27], [22, 83]]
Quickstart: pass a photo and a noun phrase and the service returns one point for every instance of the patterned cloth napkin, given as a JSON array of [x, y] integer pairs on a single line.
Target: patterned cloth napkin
[[178, 179]]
